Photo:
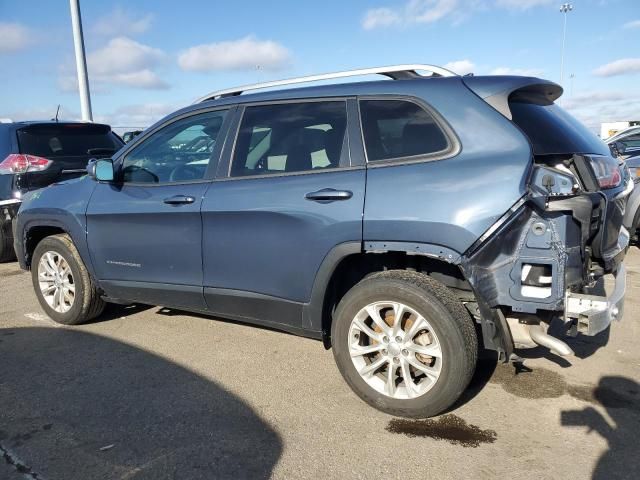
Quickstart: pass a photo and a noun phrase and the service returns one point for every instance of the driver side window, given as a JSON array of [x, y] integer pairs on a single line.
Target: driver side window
[[178, 152]]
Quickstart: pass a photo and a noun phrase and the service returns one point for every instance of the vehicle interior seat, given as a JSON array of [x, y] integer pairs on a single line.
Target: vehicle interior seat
[[333, 146], [420, 137], [298, 159]]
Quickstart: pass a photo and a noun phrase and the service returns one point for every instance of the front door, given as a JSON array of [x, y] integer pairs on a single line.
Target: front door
[[290, 195], [145, 230]]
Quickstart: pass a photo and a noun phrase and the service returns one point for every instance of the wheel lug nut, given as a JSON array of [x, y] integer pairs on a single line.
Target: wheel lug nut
[[385, 339], [405, 352], [396, 360], [398, 339], [384, 352]]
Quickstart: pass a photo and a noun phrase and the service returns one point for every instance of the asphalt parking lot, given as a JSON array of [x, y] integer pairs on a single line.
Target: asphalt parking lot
[[146, 392]]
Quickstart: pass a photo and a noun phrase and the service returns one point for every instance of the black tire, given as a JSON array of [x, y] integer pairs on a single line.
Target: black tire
[[449, 320], [7, 253], [87, 303]]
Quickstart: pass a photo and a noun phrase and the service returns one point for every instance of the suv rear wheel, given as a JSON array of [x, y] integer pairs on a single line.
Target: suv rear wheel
[[404, 343], [62, 283]]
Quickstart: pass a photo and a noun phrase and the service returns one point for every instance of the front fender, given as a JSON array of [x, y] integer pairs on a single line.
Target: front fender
[[62, 206]]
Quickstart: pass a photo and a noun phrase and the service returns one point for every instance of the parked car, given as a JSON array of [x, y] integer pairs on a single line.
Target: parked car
[[36, 154], [403, 222], [632, 212], [128, 136], [625, 143]]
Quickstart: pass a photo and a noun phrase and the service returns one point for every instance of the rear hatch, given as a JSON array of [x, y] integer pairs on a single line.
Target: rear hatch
[[68, 146], [560, 141]]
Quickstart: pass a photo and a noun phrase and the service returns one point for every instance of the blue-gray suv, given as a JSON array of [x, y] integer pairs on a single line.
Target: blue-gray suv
[[406, 223]]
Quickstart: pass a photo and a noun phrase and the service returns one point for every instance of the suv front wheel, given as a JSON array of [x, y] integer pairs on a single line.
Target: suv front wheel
[[404, 343], [62, 283]]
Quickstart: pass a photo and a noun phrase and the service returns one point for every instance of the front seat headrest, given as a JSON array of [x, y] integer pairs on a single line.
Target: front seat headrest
[[298, 159]]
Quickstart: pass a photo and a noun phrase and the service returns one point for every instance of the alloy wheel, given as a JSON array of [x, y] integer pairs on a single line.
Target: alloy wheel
[[56, 282], [395, 350]]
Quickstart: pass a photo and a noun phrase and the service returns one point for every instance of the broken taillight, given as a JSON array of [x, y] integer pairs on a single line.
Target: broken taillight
[[22, 163], [607, 170]]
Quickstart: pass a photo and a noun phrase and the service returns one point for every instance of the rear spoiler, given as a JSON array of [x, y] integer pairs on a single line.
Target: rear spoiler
[[498, 90]]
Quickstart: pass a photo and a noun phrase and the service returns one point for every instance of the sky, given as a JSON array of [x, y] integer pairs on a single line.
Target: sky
[[148, 58]]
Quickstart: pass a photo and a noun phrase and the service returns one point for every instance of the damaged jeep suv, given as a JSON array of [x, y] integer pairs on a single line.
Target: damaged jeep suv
[[405, 223]]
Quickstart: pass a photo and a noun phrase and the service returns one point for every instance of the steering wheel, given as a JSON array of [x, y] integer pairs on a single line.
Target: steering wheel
[[185, 173], [134, 173]]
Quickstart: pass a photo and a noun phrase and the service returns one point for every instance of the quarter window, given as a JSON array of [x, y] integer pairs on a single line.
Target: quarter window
[[398, 129], [289, 138], [179, 152]]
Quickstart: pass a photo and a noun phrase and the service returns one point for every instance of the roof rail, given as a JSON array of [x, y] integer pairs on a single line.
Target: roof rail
[[396, 72]]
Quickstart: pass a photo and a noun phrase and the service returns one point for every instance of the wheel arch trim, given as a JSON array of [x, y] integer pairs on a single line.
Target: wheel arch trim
[[79, 241]]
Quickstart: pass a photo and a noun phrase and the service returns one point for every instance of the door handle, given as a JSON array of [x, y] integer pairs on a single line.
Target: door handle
[[179, 200], [329, 195]]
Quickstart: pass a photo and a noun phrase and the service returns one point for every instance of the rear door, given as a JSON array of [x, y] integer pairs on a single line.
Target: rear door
[[290, 193], [145, 231], [69, 146]]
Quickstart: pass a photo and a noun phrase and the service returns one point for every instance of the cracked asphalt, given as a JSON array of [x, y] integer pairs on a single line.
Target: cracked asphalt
[[146, 392]]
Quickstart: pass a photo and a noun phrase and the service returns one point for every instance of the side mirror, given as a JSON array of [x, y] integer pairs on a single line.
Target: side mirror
[[621, 147], [101, 170]]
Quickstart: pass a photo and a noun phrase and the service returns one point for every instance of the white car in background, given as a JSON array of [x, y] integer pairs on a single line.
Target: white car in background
[[625, 143]]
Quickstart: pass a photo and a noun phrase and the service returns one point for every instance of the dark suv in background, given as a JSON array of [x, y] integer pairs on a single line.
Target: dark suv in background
[[36, 154], [403, 222]]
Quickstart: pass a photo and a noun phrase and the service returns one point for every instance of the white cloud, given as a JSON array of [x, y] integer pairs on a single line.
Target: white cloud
[[123, 62], [15, 37], [128, 117], [122, 22], [138, 79], [619, 67], [593, 98], [461, 67], [594, 107], [123, 55], [632, 24], [41, 113], [428, 11], [243, 54], [380, 17], [522, 4], [415, 12], [525, 72]]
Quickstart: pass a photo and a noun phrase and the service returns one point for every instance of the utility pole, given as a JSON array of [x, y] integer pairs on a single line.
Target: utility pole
[[81, 61], [564, 9]]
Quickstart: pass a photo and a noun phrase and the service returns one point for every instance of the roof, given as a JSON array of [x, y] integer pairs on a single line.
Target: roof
[[22, 123]]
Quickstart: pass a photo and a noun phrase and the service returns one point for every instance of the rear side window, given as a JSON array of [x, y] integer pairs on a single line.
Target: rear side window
[[290, 138], [551, 130], [398, 129], [68, 140]]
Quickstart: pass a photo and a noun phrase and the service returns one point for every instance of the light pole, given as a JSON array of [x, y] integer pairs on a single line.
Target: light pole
[[571, 77], [81, 61], [564, 9]]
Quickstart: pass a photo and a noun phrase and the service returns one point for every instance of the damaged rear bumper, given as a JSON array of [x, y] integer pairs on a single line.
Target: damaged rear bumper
[[593, 313], [539, 264]]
